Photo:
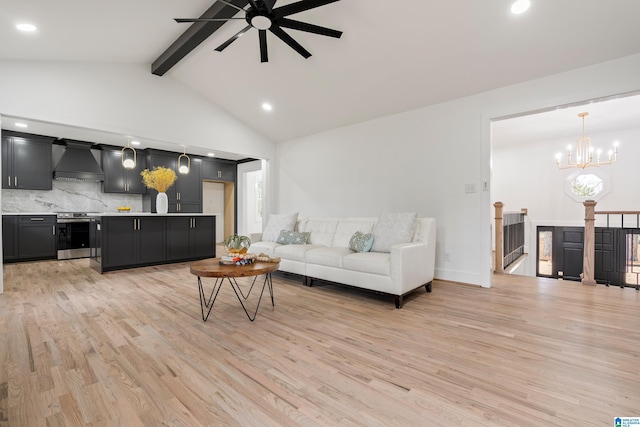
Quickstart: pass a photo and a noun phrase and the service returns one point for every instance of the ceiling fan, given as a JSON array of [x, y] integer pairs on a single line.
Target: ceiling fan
[[263, 16]]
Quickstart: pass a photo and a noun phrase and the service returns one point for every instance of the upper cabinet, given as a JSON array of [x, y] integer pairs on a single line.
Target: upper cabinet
[[26, 161], [117, 179], [219, 170], [185, 195]]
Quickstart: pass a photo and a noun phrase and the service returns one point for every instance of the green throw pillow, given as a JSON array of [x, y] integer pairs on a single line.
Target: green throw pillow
[[361, 242], [287, 237]]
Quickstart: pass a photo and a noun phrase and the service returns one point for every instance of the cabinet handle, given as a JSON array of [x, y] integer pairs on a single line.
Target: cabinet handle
[[138, 224], [15, 181], [9, 180], [37, 219], [219, 174], [194, 223], [134, 224], [53, 228]]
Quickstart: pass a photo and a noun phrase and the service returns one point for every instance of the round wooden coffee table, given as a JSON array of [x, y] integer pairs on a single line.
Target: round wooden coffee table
[[213, 268]]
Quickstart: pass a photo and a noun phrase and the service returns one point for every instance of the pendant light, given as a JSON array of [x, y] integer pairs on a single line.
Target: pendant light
[[129, 156], [184, 162]]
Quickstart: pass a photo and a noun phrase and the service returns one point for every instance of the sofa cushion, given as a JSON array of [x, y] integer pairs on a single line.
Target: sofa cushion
[[287, 237], [264, 248], [276, 223], [330, 257], [348, 226], [368, 262], [361, 242], [391, 229], [321, 229], [293, 252]]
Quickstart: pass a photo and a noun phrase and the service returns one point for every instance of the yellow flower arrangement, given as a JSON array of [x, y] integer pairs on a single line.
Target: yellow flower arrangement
[[160, 178]]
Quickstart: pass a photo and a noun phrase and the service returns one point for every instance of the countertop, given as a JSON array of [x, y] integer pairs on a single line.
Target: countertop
[[151, 214], [115, 214]]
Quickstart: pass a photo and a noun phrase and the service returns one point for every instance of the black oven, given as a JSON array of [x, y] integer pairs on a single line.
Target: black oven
[[73, 235]]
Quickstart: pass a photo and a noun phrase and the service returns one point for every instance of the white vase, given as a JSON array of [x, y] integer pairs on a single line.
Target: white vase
[[162, 203]]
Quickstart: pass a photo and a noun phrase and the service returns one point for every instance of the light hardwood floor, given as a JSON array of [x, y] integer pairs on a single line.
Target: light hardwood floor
[[130, 348]]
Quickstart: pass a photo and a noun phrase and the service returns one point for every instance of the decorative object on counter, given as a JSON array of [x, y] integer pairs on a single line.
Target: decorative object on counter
[[236, 244], [159, 179], [129, 156], [124, 208], [184, 166]]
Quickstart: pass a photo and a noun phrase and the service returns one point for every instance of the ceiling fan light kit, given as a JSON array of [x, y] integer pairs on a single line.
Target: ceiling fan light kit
[[263, 16]]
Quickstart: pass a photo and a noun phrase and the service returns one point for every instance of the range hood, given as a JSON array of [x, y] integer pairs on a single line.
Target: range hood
[[78, 164]]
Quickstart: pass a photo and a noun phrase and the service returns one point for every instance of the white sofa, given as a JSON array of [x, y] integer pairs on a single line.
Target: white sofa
[[407, 267]]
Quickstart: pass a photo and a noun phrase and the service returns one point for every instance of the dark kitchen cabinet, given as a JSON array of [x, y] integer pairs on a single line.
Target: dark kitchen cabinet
[[130, 240], [117, 179], [190, 237], [29, 237], [219, 170], [26, 161], [9, 237], [37, 237], [185, 195]]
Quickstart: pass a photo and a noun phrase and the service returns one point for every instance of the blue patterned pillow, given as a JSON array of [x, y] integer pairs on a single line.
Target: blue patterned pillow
[[287, 237], [361, 242]]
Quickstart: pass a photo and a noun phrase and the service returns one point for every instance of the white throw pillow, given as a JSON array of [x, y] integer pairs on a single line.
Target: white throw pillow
[[278, 223], [391, 229]]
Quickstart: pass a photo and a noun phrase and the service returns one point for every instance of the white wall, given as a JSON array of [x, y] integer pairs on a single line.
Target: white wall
[[124, 99], [525, 176], [421, 160]]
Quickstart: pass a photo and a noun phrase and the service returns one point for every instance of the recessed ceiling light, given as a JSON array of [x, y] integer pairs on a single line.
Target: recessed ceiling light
[[520, 6], [210, 154], [266, 106], [26, 27], [21, 125], [135, 142]]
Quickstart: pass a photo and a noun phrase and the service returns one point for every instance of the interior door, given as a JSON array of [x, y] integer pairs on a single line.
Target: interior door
[[568, 258]]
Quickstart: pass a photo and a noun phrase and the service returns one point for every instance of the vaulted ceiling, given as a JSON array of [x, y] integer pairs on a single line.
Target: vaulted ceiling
[[393, 56]]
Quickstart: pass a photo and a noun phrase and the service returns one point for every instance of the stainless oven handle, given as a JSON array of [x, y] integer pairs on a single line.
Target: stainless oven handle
[[68, 220]]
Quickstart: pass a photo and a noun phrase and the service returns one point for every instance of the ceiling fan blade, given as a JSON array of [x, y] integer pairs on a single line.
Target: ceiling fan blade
[[254, 4], [232, 5], [269, 4], [264, 57], [279, 32], [181, 20], [309, 28], [224, 45], [300, 6]]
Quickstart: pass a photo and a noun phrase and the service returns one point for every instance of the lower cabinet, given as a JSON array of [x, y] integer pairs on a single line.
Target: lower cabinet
[[29, 237], [9, 237], [190, 237], [132, 241]]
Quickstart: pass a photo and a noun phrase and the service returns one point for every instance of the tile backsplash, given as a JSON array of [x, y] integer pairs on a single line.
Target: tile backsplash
[[68, 196]]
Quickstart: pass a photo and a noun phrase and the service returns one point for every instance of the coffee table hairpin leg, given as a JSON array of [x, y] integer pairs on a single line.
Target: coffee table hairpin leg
[[208, 302]]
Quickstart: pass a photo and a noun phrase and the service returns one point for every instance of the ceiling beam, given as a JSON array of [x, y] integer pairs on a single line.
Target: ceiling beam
[[194, 35]]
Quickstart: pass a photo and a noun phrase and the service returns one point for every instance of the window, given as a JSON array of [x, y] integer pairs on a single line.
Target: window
[[582, 185], [545, 251]]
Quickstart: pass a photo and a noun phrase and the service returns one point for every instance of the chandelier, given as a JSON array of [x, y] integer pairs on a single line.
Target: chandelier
[[584, 153]]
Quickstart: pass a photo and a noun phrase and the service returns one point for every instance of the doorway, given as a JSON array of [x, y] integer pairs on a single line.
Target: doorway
[[218, 198]]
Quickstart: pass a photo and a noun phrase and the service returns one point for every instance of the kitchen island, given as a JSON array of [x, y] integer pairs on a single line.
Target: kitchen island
[[129, 240]]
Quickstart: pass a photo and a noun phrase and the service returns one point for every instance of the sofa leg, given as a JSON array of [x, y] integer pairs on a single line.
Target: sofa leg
[[427, 287], [399, 299], [308, 281]]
